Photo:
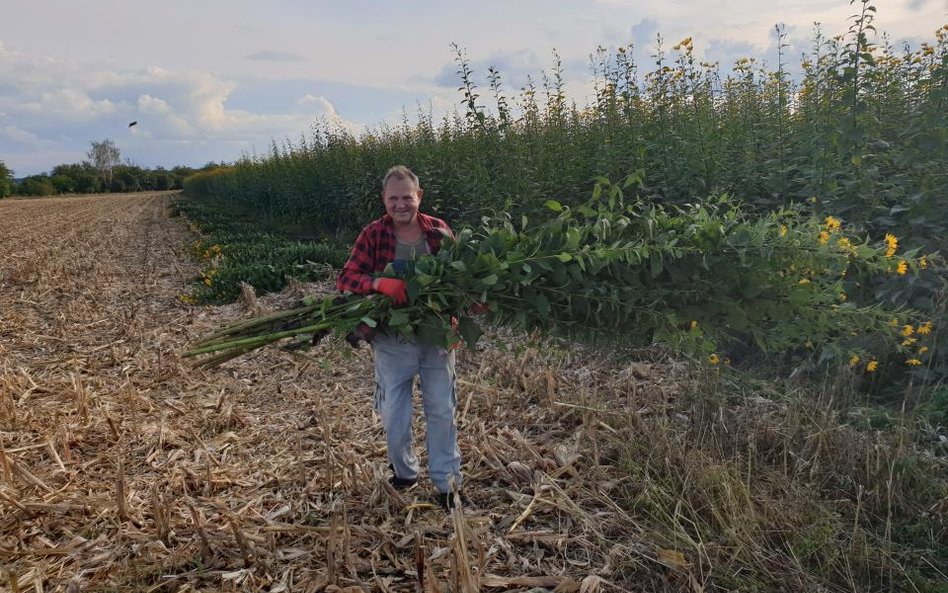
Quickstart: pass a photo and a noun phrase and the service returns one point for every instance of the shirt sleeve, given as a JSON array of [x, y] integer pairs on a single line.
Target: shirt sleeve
[[437, 231], [358, 273]]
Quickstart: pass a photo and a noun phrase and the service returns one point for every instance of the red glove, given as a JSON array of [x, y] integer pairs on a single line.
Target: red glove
[[394, 289]]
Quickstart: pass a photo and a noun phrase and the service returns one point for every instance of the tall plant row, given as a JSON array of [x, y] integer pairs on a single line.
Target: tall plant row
[[859, 137], [862, 131]]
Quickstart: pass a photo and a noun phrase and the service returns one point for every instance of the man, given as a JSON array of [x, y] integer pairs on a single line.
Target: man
[[399, 236]]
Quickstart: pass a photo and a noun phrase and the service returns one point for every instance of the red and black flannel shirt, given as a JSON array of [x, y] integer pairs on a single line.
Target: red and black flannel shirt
[[375, 248]]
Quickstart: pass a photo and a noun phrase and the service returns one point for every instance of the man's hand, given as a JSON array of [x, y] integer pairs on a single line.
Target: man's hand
[[393, 288]]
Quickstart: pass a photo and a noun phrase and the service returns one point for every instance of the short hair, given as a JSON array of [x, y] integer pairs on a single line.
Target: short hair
[[400, 172]]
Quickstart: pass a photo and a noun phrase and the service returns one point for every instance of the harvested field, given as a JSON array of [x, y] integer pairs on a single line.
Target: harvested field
[[124, 469]]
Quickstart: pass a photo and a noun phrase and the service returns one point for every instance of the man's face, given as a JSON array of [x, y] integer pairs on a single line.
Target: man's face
[[401, 198]]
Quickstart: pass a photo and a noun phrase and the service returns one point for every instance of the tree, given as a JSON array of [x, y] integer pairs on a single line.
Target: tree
[[6, 180], [85, 178], [104, 155], [36, 185]]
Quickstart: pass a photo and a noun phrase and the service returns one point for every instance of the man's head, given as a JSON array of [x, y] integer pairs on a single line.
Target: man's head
[[401, 194]]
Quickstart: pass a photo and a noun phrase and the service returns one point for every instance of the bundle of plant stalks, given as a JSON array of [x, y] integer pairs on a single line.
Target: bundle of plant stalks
[[610, 271]]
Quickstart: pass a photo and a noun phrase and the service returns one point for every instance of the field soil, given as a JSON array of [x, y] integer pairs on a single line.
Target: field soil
[[123, 468]]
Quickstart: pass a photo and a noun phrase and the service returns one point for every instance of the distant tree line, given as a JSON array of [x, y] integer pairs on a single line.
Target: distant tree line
[[102, 172]]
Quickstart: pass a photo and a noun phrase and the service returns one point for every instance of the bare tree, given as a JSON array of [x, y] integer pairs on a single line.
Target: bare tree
[[104, 155]]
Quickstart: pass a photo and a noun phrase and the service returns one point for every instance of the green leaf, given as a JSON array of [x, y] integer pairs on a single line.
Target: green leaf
[[398, 317], [542, 304], [369, 321], [424, 279], [564, 257], [489, 280], [413, 290], [553, 205], [470, 331]]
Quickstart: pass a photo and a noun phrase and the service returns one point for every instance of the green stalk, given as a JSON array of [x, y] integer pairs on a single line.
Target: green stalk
[[259, 340]]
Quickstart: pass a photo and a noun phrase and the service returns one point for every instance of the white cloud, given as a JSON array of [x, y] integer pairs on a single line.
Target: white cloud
[[319, 102], [153, 105], [15, 134], [63, 104]]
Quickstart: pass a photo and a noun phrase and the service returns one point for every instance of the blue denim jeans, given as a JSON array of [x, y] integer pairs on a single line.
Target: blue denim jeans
[[397, 361]]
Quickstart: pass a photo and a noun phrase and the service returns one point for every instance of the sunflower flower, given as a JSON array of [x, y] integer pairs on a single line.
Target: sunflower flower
[[902, 268], [872, 366], [892, 243]]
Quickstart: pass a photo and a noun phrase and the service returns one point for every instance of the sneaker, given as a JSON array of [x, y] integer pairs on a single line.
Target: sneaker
[[400, 483], [447, 501]]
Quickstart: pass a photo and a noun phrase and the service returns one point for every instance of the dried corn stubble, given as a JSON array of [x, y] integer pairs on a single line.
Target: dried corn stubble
[[233, 480]]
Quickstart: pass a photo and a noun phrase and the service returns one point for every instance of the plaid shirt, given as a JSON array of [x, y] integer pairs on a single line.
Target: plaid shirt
[[375, 248]]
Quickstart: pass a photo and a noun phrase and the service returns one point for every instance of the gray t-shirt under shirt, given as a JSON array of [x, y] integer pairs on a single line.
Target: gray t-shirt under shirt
[[404, 252]]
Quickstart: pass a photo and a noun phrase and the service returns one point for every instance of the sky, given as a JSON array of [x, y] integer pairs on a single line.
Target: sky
[[215, 80]]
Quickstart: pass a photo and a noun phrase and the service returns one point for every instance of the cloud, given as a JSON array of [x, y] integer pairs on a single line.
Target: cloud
[[61, 105], [153, 105], [268, 55], [321, 103], [644, 32], [514, 68], [18, 136]]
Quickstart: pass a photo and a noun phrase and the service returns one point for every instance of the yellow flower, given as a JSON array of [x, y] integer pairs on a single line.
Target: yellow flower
[[923, 350], [843, 296], [783, 230], [907, 331], [872, 366], [854, 360], [922, 262], [824, 237], [844, 243], [832, 223], [913, 362], [713, 359], [694, 324], [804, 281], [894, 322], [902, 268], [892, 244], [908, 341], [208, 281], [925, 328]]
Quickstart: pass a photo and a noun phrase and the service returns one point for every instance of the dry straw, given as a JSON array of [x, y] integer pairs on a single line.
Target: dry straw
[[121, 468]]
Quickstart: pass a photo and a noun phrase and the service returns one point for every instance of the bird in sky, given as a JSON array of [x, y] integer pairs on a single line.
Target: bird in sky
[[134, 123]]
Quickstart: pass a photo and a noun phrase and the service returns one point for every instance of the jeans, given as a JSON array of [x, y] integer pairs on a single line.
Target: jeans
[[397, 361]]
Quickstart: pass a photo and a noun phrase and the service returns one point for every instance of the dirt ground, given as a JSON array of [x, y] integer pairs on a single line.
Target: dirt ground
[[123, 468]]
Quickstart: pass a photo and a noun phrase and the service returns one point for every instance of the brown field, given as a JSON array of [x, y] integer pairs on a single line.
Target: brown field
[[123, 468]]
